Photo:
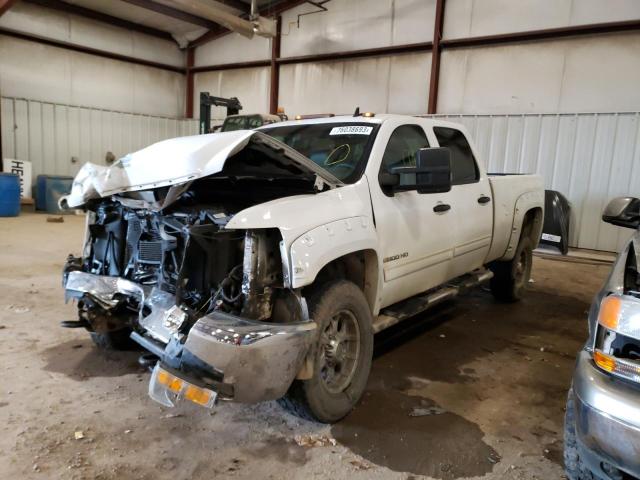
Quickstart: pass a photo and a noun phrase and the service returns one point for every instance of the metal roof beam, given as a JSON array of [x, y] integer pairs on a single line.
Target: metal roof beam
[[269, 11], [173, 13], [101, 17]]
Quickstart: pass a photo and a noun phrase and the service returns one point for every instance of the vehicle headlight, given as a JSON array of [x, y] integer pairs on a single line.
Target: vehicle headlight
[[621, 313], [617, 342]]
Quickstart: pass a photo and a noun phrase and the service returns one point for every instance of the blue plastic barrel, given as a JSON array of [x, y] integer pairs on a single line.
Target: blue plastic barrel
[[9, 195], [49, 189]]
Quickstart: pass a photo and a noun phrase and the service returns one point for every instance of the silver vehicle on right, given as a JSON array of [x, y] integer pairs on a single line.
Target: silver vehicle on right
[[602, 422]]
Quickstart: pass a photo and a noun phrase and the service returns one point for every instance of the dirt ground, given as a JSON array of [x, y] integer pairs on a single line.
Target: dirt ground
[[474, 389]]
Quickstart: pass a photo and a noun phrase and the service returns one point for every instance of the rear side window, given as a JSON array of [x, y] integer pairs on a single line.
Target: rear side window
[[463, 165]]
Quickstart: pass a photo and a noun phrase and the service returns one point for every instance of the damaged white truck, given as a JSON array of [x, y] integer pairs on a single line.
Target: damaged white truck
[[257, 265]]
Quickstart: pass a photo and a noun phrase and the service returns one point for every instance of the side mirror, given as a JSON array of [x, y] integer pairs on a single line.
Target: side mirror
[[623, 212], [432, 173], [433, 170]]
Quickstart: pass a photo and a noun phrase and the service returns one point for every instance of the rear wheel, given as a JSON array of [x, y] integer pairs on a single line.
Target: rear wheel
[[341, 356], [510, 278]]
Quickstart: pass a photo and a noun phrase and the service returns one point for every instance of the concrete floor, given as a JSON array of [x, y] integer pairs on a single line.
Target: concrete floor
[[497, 376]]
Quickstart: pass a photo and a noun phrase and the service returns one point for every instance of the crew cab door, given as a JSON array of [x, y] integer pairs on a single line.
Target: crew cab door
[[415, 230], [472, 203]]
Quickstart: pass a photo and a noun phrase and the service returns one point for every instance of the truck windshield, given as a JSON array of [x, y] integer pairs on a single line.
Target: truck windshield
[[340, 148]]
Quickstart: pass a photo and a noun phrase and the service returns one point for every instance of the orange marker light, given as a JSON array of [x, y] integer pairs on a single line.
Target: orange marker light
[[605, 362], [172, 383], [610, 312], [163, 377], [197, 395], [175, 385]]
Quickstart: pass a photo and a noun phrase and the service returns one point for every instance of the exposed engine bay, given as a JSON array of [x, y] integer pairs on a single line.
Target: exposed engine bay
[[184, 251], [171, 240], [212, 304]]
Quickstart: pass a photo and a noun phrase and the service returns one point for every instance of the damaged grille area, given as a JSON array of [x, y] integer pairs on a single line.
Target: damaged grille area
[[191, 256], [150, 252]]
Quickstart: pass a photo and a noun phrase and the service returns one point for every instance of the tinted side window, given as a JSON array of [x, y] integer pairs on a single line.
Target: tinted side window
[[463, 165], [403, 144]]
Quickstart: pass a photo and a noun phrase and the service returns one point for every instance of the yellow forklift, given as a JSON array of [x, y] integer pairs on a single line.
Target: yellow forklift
[[234, 120]]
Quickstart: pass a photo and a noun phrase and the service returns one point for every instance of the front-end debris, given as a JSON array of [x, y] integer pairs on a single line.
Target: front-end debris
[[213, 304]]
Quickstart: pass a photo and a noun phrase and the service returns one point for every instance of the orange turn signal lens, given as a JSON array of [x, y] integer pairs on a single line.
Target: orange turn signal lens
[[604, 361], [181, 389], [610, 312], [198, 395], [171, 382], [164, 377]]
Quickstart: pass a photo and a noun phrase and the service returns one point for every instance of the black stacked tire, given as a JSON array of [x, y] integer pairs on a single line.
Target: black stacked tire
[[328, 397]]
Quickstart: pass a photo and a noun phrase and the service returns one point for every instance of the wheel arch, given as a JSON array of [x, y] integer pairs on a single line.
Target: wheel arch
[[342, 249], [527, 220], [360, 267]]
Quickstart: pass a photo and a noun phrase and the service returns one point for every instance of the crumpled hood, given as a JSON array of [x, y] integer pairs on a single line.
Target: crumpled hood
[[176, 161]]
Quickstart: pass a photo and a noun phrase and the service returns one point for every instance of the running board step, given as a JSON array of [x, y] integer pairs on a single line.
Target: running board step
[[413, 306]]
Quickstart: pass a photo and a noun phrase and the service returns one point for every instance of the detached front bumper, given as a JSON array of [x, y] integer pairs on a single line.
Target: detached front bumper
[[259, 360], [237, 358], [607, 418]]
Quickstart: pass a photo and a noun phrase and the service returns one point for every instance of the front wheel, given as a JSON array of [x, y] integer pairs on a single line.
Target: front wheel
[[510, 278], [116, 340], [341, 355], [574, 465]]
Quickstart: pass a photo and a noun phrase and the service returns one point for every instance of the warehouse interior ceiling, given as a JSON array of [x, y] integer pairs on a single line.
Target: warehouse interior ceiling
[[537, 82], [183, 20]]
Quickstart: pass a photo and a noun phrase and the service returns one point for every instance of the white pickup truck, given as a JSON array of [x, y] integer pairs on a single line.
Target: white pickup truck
[[257, 265]]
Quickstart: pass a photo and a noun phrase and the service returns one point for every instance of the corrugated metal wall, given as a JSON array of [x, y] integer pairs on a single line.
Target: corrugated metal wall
[[49, 135], [590, 158]]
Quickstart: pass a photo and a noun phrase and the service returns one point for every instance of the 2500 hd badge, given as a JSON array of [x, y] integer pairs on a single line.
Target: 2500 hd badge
[[395, 257]]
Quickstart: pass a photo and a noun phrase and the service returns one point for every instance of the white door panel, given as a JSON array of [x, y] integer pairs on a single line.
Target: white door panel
[[416, 242], [472, 205], [473, 226]]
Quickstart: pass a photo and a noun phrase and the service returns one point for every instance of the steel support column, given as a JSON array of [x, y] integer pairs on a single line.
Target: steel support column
[[275, 68], [6, 5], [435, 58], [190, 83]]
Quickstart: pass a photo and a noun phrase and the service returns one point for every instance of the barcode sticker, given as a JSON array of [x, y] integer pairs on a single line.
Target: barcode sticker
[[351, 130], [551, 238]]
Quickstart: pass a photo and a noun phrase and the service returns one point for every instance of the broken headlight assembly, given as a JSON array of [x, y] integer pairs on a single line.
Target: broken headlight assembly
[[167, 389], [617, 342]]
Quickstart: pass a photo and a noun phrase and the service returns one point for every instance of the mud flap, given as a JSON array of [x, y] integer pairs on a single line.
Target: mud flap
[[557, 215]]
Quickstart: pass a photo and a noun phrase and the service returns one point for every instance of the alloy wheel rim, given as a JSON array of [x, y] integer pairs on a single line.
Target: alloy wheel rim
[[521, 268], [339, 351]]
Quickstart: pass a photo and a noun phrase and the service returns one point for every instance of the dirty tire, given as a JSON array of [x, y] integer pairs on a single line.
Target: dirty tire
[[510, 278], [117, 340], [324, 397], [573, 465]]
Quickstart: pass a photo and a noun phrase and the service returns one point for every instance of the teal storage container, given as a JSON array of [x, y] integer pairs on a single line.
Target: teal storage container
[[49, 189], [9, 195]]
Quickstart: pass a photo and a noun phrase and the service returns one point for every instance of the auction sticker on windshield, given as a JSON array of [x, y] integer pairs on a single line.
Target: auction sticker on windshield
[[351, 130]]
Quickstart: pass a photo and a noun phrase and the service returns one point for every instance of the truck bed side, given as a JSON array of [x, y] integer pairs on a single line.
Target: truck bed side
[[514, 197]]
